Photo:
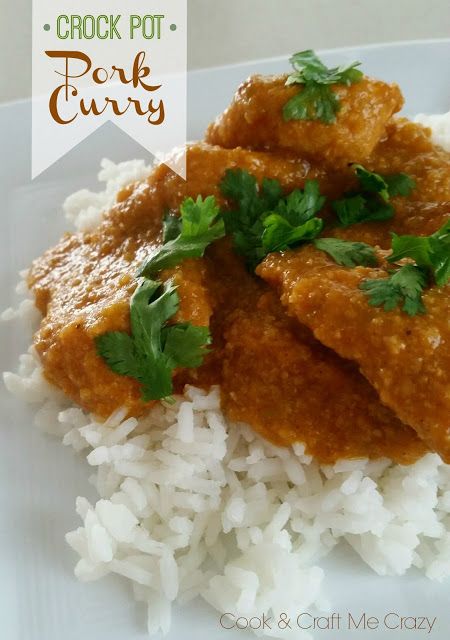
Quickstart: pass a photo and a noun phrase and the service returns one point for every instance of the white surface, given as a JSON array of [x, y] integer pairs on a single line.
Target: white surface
[[39, 598], [227, 31]]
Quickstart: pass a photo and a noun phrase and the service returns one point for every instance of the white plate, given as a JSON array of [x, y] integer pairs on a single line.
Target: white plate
[[40, 479]]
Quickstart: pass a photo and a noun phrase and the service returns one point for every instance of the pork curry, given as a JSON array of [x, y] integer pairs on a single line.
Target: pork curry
[[299, 352]]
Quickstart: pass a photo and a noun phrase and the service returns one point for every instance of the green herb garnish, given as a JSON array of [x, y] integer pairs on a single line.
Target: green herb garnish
[[399, 184], [244, 223], [346, 253], [265, 220], [187, 235], [371, 182], [353, 209], [431, 253], [372, 201], [294, 219], [403, 287], [154, 348], [317, 101]]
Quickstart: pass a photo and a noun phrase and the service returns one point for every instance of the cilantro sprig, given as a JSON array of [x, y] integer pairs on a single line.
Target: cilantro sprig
[[431, 253], [154, 349], [187, 235], [245, 222], [317, 101], [347, 253], [406, 284], [293, 219], [265, 220], [371, 202], [403, 287]]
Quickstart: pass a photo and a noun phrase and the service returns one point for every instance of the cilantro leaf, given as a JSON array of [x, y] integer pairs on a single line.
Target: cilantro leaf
[[154, 349], [244, 223], [440, 251], [171, 226], [402, 287], [242, 187], [357, 208], [279, 234], [371, 182], [400, 184], [293, 219], [151, 306], [415, 247], [371, 202], [200, 224], [184, 344], [346, 253], [317, 101], [387, 186], [267, 221], [307, 66], [314, 102], [118, 349], [431, 255], [429, 252]]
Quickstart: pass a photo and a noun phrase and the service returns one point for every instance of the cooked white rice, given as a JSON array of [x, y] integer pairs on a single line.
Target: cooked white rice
[[191, 505], [439, 125]]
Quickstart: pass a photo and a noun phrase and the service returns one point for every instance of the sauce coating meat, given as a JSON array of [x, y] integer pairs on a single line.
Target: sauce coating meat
[[407, 147], [83, 288], [254, 120], [279, 379], [406, 359]]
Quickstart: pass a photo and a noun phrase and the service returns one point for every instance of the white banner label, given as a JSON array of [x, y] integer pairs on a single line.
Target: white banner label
[[106, 60]]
